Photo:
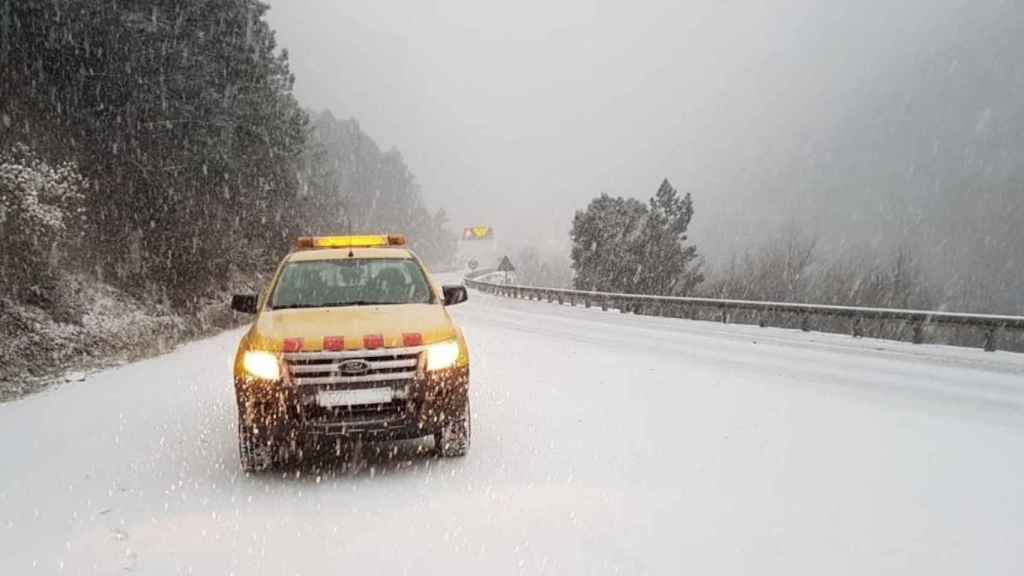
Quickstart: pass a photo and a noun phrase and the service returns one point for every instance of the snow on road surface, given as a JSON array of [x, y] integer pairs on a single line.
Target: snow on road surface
[[603, 443]]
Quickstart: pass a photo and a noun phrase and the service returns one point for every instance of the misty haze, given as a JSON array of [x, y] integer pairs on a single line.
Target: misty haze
[[868, 127], [303, 286]]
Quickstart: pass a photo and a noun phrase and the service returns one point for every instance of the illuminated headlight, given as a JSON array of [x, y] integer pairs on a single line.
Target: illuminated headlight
[[443, 355], [262, 365]]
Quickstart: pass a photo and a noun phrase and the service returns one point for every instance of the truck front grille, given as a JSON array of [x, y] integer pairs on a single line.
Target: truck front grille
[[354, 368]]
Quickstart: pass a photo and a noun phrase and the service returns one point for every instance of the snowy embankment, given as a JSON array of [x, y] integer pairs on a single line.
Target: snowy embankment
[[602, 443], [89, 325]]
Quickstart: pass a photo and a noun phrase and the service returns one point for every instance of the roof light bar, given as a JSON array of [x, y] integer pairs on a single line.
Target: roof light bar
[[365, 241]]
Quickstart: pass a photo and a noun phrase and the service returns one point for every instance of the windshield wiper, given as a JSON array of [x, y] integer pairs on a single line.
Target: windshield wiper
[[339, 304], [358, 303], [287, 306]]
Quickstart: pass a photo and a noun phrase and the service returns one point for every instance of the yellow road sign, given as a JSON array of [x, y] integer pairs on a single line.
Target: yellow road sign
[[478, 233]]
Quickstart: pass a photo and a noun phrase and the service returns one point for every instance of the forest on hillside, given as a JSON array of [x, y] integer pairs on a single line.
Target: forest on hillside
[[153, 152], [190, 155]]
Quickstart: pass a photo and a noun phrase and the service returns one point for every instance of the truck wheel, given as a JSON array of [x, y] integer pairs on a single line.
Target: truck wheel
[[255, 450], [453, 439]]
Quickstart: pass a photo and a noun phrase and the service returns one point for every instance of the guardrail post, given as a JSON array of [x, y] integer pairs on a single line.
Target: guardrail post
[[990, 339], [604, 304], [858, 330], [918, 333], [725, 316], [805, 322], [623, 307]]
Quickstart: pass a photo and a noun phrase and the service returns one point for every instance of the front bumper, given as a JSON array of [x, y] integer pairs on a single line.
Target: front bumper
[[283, 411]]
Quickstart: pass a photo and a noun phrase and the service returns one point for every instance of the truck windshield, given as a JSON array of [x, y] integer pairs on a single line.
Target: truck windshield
[[356, 282]]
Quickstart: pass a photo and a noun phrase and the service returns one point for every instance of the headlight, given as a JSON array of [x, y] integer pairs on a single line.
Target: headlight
[[262, 365], [443, 355]]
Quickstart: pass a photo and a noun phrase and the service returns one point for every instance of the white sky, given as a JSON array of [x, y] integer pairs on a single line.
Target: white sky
[[515, 114]]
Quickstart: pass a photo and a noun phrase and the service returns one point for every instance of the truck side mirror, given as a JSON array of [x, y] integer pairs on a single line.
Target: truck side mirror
[[244, 303], [455, 294]]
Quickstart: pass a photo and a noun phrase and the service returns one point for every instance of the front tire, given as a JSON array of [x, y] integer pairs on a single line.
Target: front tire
[[256, 451], [453, 439]]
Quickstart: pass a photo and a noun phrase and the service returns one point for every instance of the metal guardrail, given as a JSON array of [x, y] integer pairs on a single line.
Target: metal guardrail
[[762, 312], [473, 275]]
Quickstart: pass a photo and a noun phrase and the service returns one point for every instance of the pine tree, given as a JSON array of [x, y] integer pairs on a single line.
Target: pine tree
[[670, 266], [623, 245], [602, 237]]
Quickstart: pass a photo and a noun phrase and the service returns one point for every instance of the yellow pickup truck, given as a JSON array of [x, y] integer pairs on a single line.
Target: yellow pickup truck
[[351, 340]]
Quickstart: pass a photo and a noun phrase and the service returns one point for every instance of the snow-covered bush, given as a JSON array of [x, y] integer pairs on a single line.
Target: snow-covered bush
[[40, 205]]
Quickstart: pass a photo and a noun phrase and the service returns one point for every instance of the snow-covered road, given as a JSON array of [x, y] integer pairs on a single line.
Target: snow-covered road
[[603, 443]]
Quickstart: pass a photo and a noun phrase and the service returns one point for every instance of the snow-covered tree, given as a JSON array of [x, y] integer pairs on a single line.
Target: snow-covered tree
[[670, 266], [603, 238], [40, 205], [624, 245], [180, 114]]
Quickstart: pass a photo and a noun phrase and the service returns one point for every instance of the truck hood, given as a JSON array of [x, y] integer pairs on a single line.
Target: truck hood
[[352, 323]]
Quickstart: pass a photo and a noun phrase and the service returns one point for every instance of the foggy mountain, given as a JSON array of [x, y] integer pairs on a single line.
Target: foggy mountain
[[928, 153]]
